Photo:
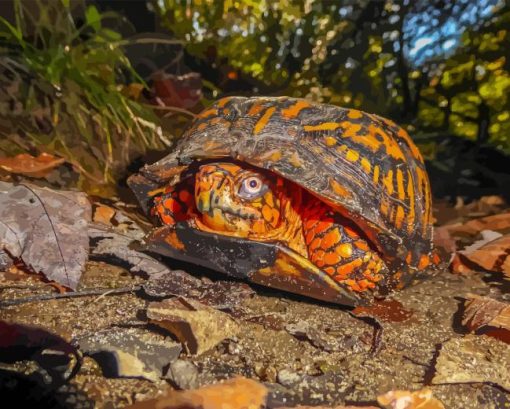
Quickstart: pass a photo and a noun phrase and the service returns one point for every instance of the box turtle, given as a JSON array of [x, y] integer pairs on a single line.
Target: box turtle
[[323, 201]]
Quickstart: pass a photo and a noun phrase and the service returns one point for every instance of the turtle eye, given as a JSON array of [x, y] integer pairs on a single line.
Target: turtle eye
[[251, 187]]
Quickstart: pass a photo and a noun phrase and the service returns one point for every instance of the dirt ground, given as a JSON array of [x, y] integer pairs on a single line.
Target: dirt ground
[[305, 351]]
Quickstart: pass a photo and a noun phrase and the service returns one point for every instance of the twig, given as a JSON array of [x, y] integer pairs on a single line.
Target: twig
[[171, 109], [73, 294]]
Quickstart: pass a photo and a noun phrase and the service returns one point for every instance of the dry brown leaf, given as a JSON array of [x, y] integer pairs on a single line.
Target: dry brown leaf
[[326, 407], [493, 256], [498, 222], [33, 166], [103, 214], [421, 399], [235, 393], [196, 325], [46, 229], [473, 359], [484, 311]]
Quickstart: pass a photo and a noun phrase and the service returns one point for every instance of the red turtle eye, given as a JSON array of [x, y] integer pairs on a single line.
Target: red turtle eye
[[251, 187]]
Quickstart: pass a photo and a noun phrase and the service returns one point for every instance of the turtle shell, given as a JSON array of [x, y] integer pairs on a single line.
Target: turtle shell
[[362, 165]]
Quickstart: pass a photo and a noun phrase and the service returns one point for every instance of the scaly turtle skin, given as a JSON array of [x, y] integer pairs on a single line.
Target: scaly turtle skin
[[323, 201]]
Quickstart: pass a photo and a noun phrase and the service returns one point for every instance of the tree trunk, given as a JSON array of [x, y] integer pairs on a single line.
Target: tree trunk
[[483, 123]]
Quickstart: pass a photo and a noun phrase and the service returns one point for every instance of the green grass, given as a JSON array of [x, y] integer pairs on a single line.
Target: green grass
[[63, 90]]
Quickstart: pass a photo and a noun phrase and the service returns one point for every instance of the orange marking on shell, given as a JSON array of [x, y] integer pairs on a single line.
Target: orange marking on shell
[[436, 259], [223, 101], [354, 114], [409, 257], [424, 261], [332, 258], [345, 250], [174, 241], [366, 165], [255, 109], [295, 160], [400, 185], [352, 155], [325, 126], [264, 119], [294, 110], [402, 134], [410, 193], [375, 177], [350, 130], [331, 238], [339, 189], [388, 182], [208, 112], [384, 207], [202, 126], [400, 216], [330, 141]]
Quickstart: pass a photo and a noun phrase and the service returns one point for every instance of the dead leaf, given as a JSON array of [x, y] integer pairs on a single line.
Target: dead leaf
[[498, 222], [103, 214], [482, 312], [130, 353], [421, 399], [493, 256], [473, 358], [384, 310], [33, 166], [196, 325], [47, 229], [235, 393], [111, 246], [222, 295]]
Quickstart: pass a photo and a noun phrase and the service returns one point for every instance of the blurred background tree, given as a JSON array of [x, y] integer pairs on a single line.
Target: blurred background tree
[[439, 68]]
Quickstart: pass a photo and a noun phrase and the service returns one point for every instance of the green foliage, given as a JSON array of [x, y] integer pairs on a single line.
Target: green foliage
[[353, 54], [64, 92]]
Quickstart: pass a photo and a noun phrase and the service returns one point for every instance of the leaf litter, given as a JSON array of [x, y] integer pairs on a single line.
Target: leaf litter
[[46, 229], [296, 358]]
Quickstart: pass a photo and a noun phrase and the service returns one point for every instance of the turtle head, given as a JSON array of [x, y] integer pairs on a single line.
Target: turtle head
[[231, 198]]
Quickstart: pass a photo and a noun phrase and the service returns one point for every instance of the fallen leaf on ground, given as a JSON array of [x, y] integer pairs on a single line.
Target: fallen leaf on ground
[[421, 399], [33, 166], [112, 246], [385, 310], [472, 359], [235, 393], [493, 256], [483, 312], [498, 222], [130, 353], [222, 295], [46, 229], [196, 325], [103, 214]]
